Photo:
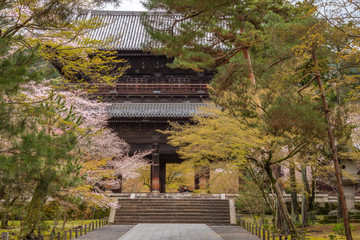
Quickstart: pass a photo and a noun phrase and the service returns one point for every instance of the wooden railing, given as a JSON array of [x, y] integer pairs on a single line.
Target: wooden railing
[[261, 232], [151, 88], [71, 233]]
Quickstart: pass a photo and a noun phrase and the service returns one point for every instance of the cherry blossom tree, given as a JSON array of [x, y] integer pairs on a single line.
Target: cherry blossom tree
[[104, 154], [64, 150]]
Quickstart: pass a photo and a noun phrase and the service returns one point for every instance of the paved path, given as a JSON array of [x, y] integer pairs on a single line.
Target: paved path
[[116, 232], [171, 231], [108, 232], [233, 233]]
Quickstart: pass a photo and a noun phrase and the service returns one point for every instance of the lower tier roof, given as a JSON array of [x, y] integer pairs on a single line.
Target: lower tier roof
[[157, 110]]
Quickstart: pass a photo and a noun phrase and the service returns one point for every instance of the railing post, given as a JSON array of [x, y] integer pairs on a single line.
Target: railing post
[[76, 232], [51, 236], [58, 236], [96, 223], [5, 236], [85, 229], [81, 230], [273, 236], [65, 233], [263, 233], [268, 235], [93, 225], [280, 237], [70, 234]]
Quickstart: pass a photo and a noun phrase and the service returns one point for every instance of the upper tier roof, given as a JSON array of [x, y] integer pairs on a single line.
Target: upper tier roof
[[127, 32], [124, 28]]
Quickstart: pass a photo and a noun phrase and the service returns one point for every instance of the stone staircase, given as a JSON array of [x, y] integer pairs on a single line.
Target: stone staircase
[[173, 210]]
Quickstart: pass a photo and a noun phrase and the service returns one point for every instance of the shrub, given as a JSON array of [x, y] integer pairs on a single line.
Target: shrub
[[339, 228]]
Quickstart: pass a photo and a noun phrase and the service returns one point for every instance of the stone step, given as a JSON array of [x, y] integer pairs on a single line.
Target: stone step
[[172, 214], [173, 200], [170, 217], [179, 207], [139, 219], [208, 211], [173, 204], [202, 221], [173, 221], [167, 210]]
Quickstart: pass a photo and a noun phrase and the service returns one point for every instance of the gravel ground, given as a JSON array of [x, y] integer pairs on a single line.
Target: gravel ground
[[114, 232], [109, 232], [233, 233]]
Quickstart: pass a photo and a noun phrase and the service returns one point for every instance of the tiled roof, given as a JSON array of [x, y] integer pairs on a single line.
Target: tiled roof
[[126, 29], [157, 110]]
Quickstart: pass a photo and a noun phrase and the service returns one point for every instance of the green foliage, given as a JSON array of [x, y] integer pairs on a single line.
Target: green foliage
[[332, 237], [251, 199], [51, 209], [217, 137], [179, 175], [301, 119], [339, 228], [324, 210], [39, 151]]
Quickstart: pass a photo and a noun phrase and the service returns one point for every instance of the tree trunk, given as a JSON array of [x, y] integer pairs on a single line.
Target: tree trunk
[[252, 78], [334, 153], [294, 202], [311, 203], [64, 219], [281, 202], [339, 211], [5, 220], [304, 202], [30, 227], [250, 70]]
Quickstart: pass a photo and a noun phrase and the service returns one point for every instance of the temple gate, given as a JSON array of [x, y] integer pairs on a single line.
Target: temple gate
[[149, 94]]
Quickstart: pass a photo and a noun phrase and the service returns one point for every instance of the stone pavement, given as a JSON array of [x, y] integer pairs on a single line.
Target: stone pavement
[[171, 231], [108, 232], [233, 233], [116, 232]]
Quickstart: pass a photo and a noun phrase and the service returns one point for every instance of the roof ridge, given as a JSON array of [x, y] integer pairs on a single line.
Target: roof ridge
[[115, 12], [119, 12]]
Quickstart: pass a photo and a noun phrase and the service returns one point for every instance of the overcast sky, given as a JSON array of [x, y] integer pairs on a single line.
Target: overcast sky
[[128, 5]]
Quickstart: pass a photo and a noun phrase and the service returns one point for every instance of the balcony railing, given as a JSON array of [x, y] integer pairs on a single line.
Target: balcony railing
[[152, 88]]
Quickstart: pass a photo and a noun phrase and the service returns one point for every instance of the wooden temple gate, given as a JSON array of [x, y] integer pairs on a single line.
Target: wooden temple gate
[[149, 94]]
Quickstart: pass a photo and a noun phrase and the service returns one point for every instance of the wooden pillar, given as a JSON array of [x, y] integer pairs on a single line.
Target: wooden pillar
[[155, 169], [162, 176], [201, 177]]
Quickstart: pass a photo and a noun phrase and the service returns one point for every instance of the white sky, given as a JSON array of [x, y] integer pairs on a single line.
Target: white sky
[[127, 5]]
